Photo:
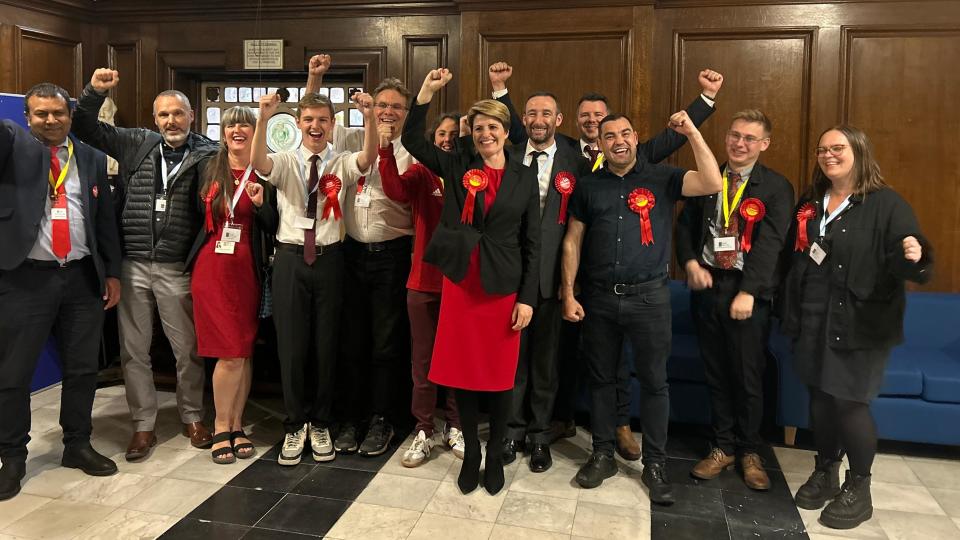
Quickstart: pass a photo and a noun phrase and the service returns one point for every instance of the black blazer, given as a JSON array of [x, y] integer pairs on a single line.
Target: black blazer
[[760, 264], [24, 168], [508, 236]]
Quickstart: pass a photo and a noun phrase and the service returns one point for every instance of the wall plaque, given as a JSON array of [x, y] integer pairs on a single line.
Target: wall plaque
[[263, 54]]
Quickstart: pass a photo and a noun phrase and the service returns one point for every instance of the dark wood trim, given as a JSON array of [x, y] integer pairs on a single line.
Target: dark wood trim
[[372, 61], [129, 46], [439, 41], [23, 32]]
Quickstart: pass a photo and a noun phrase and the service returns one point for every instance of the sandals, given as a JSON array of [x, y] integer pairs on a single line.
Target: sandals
[[242, 450], [225, 455]]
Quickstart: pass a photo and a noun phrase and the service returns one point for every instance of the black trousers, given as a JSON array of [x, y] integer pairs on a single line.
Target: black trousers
[[35, 303], [306, 313], [536, 381], [644, 319], [375, 347], [734, 359]]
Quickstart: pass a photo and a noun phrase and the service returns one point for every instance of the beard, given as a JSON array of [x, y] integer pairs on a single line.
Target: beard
[[175, 138]]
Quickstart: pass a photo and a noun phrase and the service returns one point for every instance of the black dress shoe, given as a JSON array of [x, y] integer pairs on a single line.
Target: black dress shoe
[[598, 468], [88, 460], [540, 459], [510, 449], [11, 473], [654, 477]]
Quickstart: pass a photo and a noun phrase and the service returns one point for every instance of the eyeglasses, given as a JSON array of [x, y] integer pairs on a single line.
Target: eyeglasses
[[735, 137], [395, 106], [834, 150]]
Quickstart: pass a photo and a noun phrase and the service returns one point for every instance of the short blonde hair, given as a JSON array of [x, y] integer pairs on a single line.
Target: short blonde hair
[[313, 100], [492, 108], [754, 115]]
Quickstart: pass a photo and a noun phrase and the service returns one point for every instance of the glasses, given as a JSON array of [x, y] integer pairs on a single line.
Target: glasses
[[395, 106], [735, 137], [834, 150]]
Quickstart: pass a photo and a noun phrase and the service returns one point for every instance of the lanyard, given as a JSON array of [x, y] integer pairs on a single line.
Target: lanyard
[[826, 219], [304, 175], [163, 167], [239, 191], [55, 183], [727, 210]]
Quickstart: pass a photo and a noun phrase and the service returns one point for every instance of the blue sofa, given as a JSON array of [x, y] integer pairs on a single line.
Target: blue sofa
[[920, 397]]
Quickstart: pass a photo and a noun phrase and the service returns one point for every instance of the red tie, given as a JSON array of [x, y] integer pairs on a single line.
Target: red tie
[[310, 235], [728, 259], [61, 227]]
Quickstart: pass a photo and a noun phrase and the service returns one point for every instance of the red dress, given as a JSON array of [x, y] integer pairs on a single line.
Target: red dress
[[226, 291], [476, 348]]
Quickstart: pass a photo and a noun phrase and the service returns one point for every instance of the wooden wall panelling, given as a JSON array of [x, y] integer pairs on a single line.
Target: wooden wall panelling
[[125, 57], [47, 57], [181, 69], [422, 54], [371, 60], [900, 86]]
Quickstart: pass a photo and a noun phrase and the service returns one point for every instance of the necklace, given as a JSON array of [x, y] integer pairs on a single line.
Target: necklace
[[237, 175]]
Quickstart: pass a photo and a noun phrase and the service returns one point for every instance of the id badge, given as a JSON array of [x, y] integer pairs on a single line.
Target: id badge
[[817, 253], [58, 214], [160, 205], [231, 233], [225, 247], [362, 200], [303, 222], [725, 243]]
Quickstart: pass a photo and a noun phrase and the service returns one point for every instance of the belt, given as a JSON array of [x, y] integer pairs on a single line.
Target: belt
[[55, 265], [629, 289], [298, 249], [402, 242]]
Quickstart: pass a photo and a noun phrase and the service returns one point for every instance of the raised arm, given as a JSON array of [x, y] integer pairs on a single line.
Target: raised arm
[[499, 72], [668, 141], [368, 156], [412, 138], [569, 265], [258, 148], [86, 118], [706, 180], [318, 65]]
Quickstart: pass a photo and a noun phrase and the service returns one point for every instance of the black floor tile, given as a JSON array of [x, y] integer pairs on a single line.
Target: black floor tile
[[303, 514], [333, 483], [268, 476], [756, 532], [357, 462], [272, 454], [772, 511], [688, 446], [257, 533], [678, 472], [239, 506], [193, 529], [694, 501], [676, 527], [732, 480]]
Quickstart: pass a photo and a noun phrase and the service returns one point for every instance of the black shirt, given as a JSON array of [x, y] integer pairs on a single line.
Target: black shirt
[[612, 251]]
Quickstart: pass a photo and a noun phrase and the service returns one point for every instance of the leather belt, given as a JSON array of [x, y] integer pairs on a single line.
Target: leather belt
[[55, 265], [630, 289], [402, 242], [298, 249]]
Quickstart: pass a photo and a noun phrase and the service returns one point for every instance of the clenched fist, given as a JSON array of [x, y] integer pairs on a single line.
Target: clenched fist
[[912, 251], [682, 124], [319, 64], [499, 72], [104, 79], [268, 105], [710, 82], [255, 192]]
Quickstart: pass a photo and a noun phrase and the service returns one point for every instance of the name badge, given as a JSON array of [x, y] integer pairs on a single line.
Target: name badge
[[58, 213], [362, 200], [231, 233], [160, 205], [725, 243], [817, 253], [225, 247], [302, 222]]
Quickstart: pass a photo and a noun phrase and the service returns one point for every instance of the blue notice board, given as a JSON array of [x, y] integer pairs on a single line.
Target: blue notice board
[[48, 368]]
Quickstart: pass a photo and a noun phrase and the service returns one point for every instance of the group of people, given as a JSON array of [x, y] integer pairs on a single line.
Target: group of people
[[502, 273]]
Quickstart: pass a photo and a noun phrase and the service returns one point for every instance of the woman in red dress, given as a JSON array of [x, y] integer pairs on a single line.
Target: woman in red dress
[[486, 246], [227, 273]]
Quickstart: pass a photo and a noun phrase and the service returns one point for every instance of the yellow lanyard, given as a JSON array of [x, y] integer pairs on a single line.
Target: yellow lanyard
[[55, 183], [727, 210], [597, 163]]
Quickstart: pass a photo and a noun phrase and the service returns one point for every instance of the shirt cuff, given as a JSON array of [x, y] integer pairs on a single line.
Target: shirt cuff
[[499, 93], [708, 101]]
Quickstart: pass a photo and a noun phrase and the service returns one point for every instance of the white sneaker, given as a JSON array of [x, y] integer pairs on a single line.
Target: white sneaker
[[292, 449], [321, 444], [455, 441], [419, 450]]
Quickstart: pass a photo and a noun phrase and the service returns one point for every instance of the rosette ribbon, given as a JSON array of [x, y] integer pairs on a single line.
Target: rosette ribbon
[[805, 214], [564, 182], [331, 186], [641, 201], [208, 201], [474, 180], [752, 210]]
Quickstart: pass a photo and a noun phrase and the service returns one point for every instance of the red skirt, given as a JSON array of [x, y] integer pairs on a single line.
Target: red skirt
[[475, 348]]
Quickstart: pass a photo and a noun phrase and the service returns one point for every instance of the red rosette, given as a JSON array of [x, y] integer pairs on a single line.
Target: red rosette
[[564, 182], [474, 180], [208, 201], [641, 201], [331, 185], [804, 214], [752, 210]]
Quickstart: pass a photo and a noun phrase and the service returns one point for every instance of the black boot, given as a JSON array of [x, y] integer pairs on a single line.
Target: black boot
[[852, 507], [11, 473], [88, 460], [823, 485], [470, 468]]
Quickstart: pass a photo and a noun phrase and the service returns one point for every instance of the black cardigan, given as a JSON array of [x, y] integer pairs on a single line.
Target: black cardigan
[[867, 272], [509, 236]]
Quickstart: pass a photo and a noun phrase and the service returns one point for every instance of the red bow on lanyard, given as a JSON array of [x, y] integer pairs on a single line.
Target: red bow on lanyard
[[208, 200], [751, 210], [474, 180], [805, 214], [642, 201], [331, 185], [564, 182]]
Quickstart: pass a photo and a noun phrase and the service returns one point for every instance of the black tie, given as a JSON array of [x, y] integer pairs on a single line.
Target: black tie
[[535, 158]]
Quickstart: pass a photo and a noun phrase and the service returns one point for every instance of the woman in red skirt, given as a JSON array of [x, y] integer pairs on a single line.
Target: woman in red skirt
[[228, 263], [486, 246]]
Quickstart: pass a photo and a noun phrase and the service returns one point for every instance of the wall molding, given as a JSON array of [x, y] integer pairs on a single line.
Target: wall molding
[[22, 33]]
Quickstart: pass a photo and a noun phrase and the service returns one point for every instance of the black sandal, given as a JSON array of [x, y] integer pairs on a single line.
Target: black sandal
[[225, 455], [242, 450]]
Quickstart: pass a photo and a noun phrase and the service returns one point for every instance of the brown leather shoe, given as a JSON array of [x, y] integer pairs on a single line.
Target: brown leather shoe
[[711, 466], [753, 474], [140, 445], [627, 445], [199, 435]]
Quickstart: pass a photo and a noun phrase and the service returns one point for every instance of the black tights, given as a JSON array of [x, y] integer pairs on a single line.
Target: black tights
[[840, 425], [468, 405]]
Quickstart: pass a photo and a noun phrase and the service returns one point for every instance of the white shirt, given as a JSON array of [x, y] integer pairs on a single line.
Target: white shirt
[[544, 167], [383, 218], [43, 248]]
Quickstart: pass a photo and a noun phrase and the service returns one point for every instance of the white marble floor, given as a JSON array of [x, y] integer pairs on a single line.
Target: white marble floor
[[915, 498]]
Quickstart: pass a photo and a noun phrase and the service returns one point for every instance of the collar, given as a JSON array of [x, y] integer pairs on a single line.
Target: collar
[[745, 174], [550, 150], [167, 149], [585, 143], [305, 152]]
